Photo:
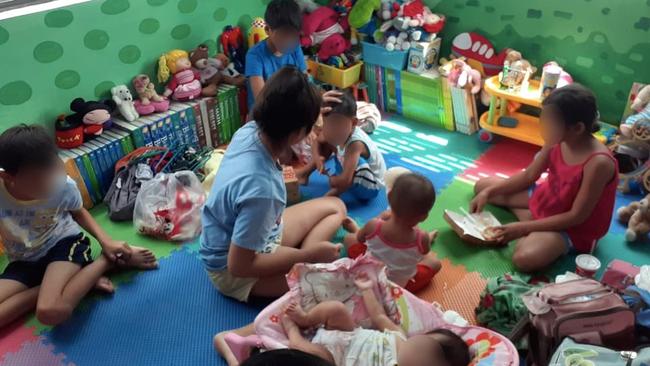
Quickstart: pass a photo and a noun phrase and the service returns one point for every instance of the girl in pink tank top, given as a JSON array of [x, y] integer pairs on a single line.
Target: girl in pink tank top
[[571, 208]]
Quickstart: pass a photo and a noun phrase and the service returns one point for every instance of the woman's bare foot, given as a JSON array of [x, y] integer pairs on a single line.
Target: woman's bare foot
[[141, 258], [224, 350], [350, 225], [104, 284], [295, 312]]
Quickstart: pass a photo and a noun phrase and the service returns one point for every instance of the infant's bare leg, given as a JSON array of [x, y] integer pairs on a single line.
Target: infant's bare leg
[[331, 314], [298, 342]]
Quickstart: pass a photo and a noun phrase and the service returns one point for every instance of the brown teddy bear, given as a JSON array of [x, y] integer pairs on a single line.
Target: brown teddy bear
[[209, 69], [637, 217]]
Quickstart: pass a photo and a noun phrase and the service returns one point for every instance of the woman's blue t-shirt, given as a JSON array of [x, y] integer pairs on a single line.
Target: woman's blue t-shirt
[[246, 200]]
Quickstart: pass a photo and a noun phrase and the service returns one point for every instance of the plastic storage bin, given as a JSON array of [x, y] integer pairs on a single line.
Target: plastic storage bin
[[377, 55], [340, 78]]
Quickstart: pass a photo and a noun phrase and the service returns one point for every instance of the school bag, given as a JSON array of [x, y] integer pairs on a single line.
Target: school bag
[[583, 309], [572, 353], [639, 301]]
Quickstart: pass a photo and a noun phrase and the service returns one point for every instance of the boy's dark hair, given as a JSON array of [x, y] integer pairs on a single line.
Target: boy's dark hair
[[453, 346], [288, 103], [26, 146], [285, 357], [575, 104], [412, 195], [347, 107], [282, 14]]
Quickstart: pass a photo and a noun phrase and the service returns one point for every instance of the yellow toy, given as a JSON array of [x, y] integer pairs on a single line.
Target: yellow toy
[[210, 169], [257, 33]]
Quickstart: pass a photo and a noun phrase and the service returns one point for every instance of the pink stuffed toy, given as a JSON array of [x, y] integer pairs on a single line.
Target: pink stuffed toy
[[322, 27], [461, 74]]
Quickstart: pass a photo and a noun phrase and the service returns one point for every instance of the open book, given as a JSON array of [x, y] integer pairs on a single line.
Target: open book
[[472, 228]]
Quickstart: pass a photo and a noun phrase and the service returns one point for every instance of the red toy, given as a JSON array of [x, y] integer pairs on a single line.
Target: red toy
[[479, 52], [232, 44], [324, 27]]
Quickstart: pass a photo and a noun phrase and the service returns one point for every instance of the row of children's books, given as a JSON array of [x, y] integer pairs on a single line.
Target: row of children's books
[[465, 113], [209, 122]]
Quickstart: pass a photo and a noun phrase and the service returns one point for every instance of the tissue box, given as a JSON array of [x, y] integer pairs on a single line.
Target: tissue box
[[619, 274], [423, 56]]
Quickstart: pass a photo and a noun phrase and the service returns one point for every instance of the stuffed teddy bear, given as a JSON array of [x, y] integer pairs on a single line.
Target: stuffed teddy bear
[[637, 217], [641, 105], [149, 100], [209, 70], [95, 116], [124, 101], [461, 75], [230, 74]]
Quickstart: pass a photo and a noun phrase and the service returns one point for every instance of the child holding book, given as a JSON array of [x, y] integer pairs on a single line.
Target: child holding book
[[360, 167], [394, 237], [572, 208], [41, 220]]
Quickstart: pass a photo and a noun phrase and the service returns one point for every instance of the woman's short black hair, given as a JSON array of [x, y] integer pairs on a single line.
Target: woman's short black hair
[[453, 346], [285, 357], [26, 146], [283, 14], [347, 107], [575, 103], [288, 103]]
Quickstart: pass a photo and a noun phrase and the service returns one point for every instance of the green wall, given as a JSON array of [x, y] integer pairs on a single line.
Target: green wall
[[604, 44], [50, 58]]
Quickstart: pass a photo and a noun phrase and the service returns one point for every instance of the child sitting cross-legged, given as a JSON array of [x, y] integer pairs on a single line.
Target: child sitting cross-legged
[[360, 167], [41, 218], [394, 237], [341, 341]]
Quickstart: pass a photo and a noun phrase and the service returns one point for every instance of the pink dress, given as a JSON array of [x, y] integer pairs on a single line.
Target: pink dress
[[556, 194], [185, 85]]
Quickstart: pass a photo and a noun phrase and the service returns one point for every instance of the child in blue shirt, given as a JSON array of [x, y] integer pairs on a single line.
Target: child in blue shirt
[[250, 240], [41, 217], [282, 47]]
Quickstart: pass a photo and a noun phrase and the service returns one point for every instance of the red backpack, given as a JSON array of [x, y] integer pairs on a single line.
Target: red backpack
[[583, 309]]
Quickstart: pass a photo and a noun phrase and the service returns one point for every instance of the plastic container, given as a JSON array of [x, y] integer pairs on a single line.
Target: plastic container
[[340, 78], [377, 55], [587, 265]]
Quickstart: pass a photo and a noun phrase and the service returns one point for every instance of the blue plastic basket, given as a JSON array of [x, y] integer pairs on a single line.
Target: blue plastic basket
[[377, 55]]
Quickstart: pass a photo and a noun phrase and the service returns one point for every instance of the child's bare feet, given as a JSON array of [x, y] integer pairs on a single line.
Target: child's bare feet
[[296, 313], [104, 284], [350, 225], [141, 258]]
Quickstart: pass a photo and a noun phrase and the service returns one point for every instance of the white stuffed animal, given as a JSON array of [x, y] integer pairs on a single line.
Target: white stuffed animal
[[124, 100]]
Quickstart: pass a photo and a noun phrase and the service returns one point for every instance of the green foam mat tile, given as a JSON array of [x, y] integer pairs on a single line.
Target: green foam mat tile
[[487, 261]]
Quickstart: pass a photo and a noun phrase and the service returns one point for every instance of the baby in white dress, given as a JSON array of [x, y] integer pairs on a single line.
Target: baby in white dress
[[341, 341]]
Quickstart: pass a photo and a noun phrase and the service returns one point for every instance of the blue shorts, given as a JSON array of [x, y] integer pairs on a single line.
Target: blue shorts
[[365, 185], [74, 249], [567, 239]]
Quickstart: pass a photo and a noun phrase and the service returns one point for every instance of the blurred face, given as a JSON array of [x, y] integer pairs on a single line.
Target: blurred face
[[183, 63], [284, 40], [422, 350], [337, 128], [36, 183], [552, 128]]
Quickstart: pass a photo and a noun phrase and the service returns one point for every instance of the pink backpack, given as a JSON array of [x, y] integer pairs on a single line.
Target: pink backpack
[[582, 309]]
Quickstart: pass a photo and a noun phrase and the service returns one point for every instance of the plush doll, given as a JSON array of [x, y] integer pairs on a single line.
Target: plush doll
[[95, 116], [124, 101], [69, 132], [184, 84], [637, 217], [232, 44], [641, 105], [461, 75], [322, 27], [149, 100], [515, 68], [361, 13], [229, 72], [209, 70], [257, 33]]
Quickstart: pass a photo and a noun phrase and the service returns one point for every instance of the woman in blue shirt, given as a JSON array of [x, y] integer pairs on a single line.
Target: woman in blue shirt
[[249, 240]]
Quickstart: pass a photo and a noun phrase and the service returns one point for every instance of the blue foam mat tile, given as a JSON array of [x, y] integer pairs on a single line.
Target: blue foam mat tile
[[163, 317]]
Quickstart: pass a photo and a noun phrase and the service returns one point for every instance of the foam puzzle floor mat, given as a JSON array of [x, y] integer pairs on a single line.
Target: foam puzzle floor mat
[[169, 316]]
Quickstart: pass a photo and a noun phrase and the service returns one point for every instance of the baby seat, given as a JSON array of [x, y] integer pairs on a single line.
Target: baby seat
[[315, 283]]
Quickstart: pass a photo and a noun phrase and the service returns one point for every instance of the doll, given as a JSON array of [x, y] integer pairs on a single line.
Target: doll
[[149, 101], [185, 82]]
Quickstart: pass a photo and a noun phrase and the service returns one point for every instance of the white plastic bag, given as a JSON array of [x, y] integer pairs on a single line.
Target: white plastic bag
[[169, 206]]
